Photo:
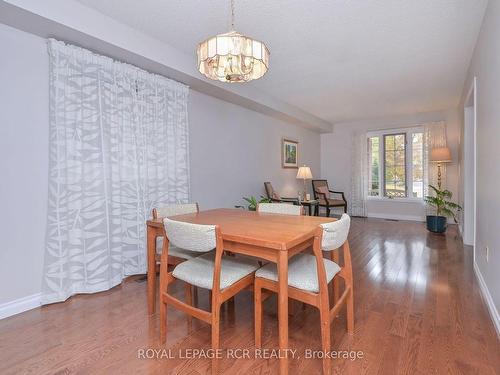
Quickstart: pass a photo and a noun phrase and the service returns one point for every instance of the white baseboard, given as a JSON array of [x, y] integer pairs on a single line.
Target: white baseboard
[[495, 317], [20, 305], [396, 217]]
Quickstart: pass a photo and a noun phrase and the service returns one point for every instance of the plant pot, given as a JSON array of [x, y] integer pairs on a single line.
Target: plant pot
[[436, 224]]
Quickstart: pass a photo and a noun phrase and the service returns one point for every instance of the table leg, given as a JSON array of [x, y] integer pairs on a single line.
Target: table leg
[[151, 244], [283, 310], [310, 210]]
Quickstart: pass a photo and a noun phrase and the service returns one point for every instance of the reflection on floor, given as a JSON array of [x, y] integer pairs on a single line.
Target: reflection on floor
[[417, 308]]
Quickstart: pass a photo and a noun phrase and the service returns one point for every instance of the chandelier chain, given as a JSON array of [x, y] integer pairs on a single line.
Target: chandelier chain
[[232, 15]]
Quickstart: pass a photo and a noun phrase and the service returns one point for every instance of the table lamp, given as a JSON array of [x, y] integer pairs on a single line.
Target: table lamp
[[440, 155], [305, 174]]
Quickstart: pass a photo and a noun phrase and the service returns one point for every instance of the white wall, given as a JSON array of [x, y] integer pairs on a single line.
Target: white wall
[[233, 151], [485, 65], [24, 107], [336, 159]]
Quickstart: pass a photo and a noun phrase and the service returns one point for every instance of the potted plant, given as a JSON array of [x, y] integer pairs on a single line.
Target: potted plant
[[444, 209], [252, 202]]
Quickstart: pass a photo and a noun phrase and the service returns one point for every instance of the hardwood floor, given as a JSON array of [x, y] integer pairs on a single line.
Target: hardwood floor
[[417, 311]]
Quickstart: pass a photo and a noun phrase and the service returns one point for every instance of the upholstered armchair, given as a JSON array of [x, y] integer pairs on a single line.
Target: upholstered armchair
[[323, 194], [274, 196]]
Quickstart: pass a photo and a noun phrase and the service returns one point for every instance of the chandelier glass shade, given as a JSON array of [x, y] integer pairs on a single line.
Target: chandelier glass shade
[[232, 57]]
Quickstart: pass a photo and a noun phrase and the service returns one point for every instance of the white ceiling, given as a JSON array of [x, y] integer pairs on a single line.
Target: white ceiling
[[340, 60]]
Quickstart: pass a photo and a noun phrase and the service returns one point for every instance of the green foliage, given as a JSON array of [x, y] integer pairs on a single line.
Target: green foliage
[[440, 202], [290, 153], [375, 173], [252, 202]]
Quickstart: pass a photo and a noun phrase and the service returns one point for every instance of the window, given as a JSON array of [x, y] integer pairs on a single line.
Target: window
[[395, 164], [373, 165]]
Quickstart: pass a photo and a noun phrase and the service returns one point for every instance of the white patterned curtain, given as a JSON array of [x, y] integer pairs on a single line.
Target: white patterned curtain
[[434, 137], [359, 174], [118, 147]]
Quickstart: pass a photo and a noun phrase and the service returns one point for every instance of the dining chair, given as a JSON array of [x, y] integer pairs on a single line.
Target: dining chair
[[223, 275], [308, 279], [280, 208], [176, 255], [284, 209]]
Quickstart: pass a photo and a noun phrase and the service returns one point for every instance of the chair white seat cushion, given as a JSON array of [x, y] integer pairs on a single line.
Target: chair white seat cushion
[[200, 271], [176, 251], [302, 272]]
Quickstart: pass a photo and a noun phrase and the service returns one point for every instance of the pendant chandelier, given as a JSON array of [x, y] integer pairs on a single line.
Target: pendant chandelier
[[232, 57]]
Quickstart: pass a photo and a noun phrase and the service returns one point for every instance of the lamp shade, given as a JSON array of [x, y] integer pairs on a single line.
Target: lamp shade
[[440, 155], [304, 173]]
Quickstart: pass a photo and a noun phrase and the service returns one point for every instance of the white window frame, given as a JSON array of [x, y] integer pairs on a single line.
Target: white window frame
[[408, 163]]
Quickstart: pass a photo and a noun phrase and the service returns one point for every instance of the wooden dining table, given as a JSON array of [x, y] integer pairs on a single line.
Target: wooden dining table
[[273, 237]]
